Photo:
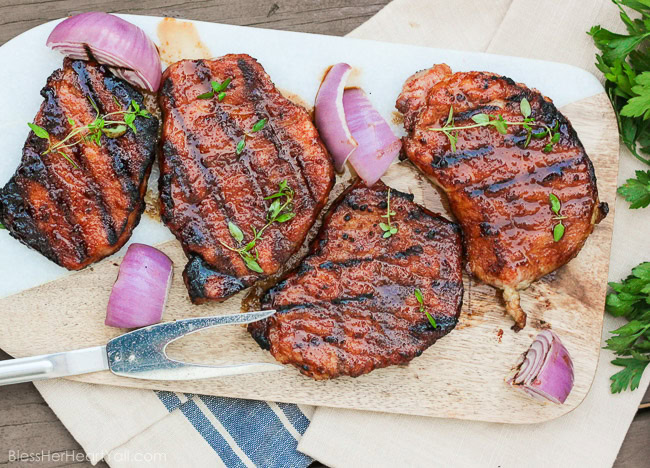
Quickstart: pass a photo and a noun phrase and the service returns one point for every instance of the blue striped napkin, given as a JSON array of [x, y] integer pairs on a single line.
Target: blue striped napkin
[[266, 432]]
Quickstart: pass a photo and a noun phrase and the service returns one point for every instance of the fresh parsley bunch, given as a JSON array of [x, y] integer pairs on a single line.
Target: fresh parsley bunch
[[625, 62], [631, 342]]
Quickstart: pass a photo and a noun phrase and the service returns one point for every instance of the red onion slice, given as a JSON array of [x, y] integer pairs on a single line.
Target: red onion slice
[[546, 369], [140, 292], [330, 117], [123, 47], [378, 145]]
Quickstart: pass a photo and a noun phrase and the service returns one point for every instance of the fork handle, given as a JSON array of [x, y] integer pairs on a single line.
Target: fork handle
[[25, 369]]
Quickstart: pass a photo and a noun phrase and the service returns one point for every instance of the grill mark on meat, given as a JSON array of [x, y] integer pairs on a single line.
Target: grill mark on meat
[[349, 307], [86, 85], [499, 190], [53, 113], [540, 175], [233, 187], [295, 161], [70, 214], [214, 190]]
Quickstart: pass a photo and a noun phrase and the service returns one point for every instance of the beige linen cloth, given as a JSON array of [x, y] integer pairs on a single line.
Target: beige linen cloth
[[112, 422]]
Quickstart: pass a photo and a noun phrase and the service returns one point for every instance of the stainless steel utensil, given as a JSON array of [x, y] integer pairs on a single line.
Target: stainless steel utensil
[[139, 354]]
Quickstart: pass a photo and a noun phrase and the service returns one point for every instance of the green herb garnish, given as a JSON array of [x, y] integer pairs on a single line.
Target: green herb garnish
[[484, 120], [420, 299], [556, 206], [259, 125], [630, 299], [637, 191], [217, 89], [388, 227], [624, 60], [280, 211], [2, 226], [107, 125]]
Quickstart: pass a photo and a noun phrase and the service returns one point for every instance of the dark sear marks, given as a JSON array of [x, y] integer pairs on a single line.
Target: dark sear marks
[[207, 183], [350, 306], [499, 184], [75, 213]]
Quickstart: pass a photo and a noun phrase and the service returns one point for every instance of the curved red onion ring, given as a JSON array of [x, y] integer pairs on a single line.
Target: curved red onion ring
[[546, 370], [378, 145], [330, 117], [140, 292], [112, 41]]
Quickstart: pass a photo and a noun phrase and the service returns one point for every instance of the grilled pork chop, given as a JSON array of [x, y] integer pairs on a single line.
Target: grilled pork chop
[[223, 156], [351, 307], [499, 185], [76, 214]]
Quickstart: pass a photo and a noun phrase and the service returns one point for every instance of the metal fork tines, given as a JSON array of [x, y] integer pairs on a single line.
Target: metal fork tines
[[141, 353]]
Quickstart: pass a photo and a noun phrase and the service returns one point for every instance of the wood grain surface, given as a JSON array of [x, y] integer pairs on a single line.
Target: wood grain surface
[[462, 376], [25, 420]]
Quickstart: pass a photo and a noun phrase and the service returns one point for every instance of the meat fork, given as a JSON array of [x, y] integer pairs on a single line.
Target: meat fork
[[139, 354]]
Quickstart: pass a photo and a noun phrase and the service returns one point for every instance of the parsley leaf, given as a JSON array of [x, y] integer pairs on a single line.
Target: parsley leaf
[[637, 191], [624, 60], [631, 342]]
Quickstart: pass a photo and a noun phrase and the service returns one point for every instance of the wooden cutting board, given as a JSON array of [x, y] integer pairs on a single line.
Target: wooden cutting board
[[461, 376]]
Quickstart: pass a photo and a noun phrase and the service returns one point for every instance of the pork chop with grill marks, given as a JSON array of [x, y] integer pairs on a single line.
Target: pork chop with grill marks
[[499, 184], [76, 214], [207, 182], [350, 307]]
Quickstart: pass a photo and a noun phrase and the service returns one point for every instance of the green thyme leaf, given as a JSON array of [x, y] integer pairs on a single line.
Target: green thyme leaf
[[384, 227], [235, 232], [221, 95], [39, 131], [556, 205], [555, 138], [71, 121], [419, 298], [283, 218], [208, 95], [637, 191], [481, 118], [500, 125], [259, 125], [524, 107], [240, 146], [558, 232], [2, 226], [252, 264], [115, 132], [223, 85], [450, 118], [432, 321]]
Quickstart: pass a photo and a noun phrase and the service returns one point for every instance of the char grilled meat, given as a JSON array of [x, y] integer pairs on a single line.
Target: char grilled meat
[[77, 214], [206, 183], [350, 306], [498, 185]]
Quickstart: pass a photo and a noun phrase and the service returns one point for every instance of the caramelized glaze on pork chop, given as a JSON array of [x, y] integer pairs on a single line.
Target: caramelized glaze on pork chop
[[76, 214], [206, 183], [350, 307], [498, 185]]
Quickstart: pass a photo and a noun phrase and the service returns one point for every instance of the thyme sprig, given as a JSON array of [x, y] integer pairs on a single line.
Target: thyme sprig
[[501, 125], [420, 299], [259, 125], [218, 89], [556, 206], [108, 125], [280, 211], [388, 227]]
